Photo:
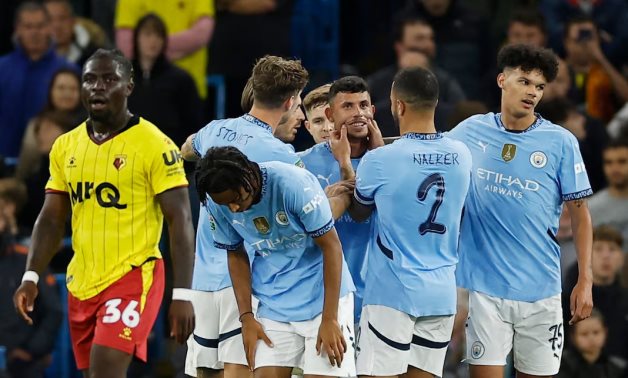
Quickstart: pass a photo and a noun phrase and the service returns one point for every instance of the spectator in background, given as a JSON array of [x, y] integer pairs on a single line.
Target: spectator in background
[[464, 49], [618, 126], [588, 359], [29, 347], [164, 94], [462, 111], [527, 26], [63, 96], [317, 123], [597, 86], [75, 39], [590, 132], [103, 13], [610, 206], [609, 296], [25, 74], [414, 46], [246, 30], [560, 87], [190, 24]]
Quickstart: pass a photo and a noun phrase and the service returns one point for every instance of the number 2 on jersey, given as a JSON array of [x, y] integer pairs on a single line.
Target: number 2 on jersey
[[430, 225]]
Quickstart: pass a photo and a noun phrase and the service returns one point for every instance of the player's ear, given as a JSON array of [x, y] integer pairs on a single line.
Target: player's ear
[[307, 125], [329, 114], [373, 110], [500, 80], [287, 105]]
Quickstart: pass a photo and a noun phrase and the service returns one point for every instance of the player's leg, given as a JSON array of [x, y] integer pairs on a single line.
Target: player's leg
[[230, 345], [107, 362], [286, 353], [237, 370], [489, 335], [539, 338], [315, 365], [82, 320], [430, 339], [201, 359], [273, 372], [383, 348], [202, 372]]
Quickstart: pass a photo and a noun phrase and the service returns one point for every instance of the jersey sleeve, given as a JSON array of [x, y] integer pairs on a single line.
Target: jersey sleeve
[[56, 181], [204, 8], [128, 12], [572, 174], [225, 236], [367, 179], [200, 141], [166, 167], [310, 205]]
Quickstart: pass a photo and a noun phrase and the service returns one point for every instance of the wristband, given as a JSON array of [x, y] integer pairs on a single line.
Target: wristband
[[244, 313], [181, 294], [31, 276]]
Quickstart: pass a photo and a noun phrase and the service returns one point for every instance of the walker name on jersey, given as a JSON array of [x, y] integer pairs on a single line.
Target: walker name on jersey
[[436, 159], [107, 195], [506, 185], [283, 242], [233, 136]]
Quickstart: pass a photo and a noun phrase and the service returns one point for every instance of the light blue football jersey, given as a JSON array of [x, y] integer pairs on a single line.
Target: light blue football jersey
[[255, 139], [508, 247], [418, 185], [287, 272], [354, 236]]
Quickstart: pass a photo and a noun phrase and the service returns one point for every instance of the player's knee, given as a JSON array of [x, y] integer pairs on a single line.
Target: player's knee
[[107, 362]]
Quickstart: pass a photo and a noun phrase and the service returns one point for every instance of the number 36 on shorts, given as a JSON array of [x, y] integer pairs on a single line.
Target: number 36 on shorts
[[128, 314]]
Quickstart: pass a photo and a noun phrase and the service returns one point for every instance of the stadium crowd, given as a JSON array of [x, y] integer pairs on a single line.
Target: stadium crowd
[[175, 46]]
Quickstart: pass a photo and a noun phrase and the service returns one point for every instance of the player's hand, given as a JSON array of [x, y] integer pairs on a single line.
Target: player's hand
[[340, 147], [581, 301], [252, 332], [24, 300], [345, 187], [331, 341], [181, 318], [374, 135]]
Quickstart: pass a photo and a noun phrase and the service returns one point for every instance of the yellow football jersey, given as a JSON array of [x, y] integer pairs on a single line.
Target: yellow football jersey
[[112, 185]]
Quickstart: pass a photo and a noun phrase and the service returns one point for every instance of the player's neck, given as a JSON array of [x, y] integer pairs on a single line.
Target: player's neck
[[270, 116], [112, 125], [358, 147], [516, 123], [618, 192], [419, 122]]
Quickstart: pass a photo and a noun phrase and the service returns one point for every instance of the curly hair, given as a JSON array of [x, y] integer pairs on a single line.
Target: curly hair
[[528, 58], [225, 168], [275, 80], [347, 84]]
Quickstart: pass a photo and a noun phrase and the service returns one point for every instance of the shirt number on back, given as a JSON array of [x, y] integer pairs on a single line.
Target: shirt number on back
[[430, 225], [130, 317]]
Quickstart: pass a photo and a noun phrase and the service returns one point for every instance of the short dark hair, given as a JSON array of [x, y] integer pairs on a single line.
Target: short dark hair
[[30, 6], [617, 143], [577, 20], [417, 87], [529, 17], [347, 84], [276, 79], [528, 58], [405, 19], [224, 168], [608, 234], [115, 55]]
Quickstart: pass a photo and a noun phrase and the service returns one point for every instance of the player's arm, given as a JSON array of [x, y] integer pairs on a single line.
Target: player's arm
[[358, 210], [581, 300], [46, 239], [339, 197], [175, 205], [341, 149], [329, 335], [187, 150]]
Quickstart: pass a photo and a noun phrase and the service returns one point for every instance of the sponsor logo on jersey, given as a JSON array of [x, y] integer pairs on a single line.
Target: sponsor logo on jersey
[[313, 204], [126, 334], [172, 157], [538, 159], [107, 194], [71, 162], [264, 246], [508, 152], [119, 161], [579, 168], [281, 218], [212, 223], [262, 225]]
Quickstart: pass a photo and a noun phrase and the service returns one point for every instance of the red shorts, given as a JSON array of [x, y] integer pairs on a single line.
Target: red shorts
[[119, 317]]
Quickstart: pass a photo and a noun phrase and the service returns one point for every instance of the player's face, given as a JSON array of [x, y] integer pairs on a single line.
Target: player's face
[[616, 167], [352, 110], [289, 124], [521, 91], [607, 260], [589, 335], [61, 21], [526, 34], [318, 125], [150, 44], [236, 200], [105, 89], [65, 94], [33, 31]]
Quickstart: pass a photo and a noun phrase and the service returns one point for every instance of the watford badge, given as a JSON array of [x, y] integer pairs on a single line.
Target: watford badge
[[119, 161]]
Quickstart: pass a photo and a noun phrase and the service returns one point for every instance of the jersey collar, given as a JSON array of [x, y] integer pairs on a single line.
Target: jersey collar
[[422, 136], [537, 122], [258, 122]]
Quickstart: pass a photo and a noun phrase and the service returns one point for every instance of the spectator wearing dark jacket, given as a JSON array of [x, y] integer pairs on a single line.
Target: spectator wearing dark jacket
[[164, 94], [29, 347], [25, 75]]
